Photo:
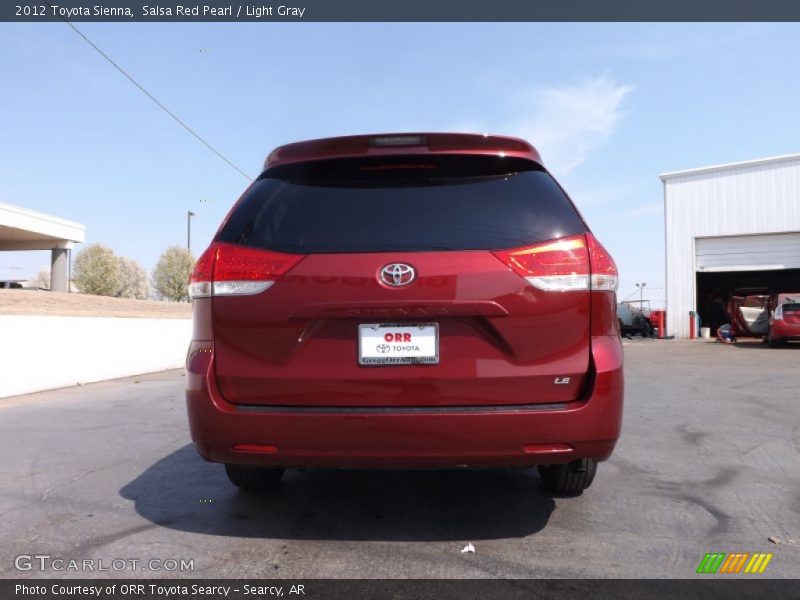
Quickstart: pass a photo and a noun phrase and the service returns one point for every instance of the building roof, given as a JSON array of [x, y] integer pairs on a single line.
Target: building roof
[[725, 167], [25, 229]]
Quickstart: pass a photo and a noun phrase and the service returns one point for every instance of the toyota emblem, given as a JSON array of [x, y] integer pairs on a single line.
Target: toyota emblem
[[382, 348], [397, 274]]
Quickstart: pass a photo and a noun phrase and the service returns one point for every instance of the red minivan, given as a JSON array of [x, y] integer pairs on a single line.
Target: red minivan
[[405, 300]]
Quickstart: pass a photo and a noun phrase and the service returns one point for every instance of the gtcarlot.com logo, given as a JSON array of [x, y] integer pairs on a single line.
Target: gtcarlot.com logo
[[735, 562], [47, 562]]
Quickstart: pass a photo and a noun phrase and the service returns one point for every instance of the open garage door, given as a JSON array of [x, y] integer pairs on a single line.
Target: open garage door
[[767, 252], [720, 285], [769, 262]]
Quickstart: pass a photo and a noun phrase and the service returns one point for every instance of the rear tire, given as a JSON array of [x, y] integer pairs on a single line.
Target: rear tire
[[254, 478], [570, 478], [775, 343]]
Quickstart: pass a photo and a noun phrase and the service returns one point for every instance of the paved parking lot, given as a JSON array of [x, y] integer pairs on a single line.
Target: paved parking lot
[[709, 461]]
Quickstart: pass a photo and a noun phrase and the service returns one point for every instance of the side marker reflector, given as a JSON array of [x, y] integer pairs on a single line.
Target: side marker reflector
[[547, 448], [255, 448]]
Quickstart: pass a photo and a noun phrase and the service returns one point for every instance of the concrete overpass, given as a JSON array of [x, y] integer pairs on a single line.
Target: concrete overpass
[[23, 229]]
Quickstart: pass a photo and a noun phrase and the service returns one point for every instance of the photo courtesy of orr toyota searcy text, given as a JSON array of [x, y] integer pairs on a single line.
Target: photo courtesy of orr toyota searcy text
[[158, 590]]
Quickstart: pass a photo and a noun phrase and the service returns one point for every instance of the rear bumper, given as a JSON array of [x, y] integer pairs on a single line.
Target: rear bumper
[[780, 330], [491, 437]]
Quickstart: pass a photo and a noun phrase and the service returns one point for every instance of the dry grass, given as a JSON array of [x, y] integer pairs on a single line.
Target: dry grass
[[30, 302]]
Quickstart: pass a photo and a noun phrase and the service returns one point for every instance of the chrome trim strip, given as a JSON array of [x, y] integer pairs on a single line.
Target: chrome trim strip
[[400, 410]]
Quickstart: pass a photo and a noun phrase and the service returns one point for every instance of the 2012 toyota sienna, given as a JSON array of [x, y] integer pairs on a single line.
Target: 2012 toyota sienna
[[405, 300]]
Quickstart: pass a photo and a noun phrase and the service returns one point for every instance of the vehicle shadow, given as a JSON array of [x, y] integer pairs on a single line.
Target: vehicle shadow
[[758, 345], [183, 492]]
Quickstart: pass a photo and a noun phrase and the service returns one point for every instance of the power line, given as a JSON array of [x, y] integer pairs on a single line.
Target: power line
[[154, 99]]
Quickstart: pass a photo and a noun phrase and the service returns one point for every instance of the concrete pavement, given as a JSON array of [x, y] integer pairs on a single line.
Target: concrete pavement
[[709, 461]]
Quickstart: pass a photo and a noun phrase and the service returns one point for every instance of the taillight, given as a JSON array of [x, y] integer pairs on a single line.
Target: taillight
[[200, 279], [569, 264], [561, 265], [605, 277], [778, 314], [238, 270]]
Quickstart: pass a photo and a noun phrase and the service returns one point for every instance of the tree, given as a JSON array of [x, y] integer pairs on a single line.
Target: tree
[[171, 275], [97, 271], [134, 282], [41, 280]]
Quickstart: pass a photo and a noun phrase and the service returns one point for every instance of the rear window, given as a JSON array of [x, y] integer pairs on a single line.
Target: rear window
[[415, 203], [791, 303]]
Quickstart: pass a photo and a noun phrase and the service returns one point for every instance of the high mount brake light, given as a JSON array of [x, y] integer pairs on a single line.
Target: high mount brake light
[[568, 264], [232, 270], [399, 140]]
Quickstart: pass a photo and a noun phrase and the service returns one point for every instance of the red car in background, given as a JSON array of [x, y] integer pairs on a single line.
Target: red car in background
[[784, 321], [748, 309], [405, 300]]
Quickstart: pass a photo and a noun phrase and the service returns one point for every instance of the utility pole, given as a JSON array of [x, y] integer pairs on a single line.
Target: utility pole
[[641, 287], [189, 215]]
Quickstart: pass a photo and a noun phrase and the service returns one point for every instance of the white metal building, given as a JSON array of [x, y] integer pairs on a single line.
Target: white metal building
[[727, 227]]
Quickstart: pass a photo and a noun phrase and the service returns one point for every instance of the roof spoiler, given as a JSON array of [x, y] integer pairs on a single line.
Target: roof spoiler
[[402, 144]]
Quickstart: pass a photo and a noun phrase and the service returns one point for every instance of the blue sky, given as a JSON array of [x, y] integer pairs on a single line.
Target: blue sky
[[610, 106]]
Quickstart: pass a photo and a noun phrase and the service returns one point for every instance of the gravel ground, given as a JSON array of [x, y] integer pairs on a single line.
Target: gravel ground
[[31, 302]]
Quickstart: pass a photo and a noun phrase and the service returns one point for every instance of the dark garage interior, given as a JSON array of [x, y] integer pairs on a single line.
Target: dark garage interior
[[722, 284]]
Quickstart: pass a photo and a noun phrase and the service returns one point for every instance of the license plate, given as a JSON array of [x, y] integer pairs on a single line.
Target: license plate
[[393, 344]]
